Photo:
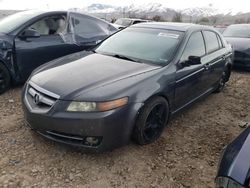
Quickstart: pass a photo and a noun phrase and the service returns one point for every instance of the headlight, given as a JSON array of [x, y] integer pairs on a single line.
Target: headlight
[[96, 106]]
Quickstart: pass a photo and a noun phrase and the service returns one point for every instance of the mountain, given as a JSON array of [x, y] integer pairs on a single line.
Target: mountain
[[150, 8], [200, 11]]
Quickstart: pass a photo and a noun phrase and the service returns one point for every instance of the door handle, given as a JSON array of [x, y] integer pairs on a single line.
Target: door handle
[[207, 66]]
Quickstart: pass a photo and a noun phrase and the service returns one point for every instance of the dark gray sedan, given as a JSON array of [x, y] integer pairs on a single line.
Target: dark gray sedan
[[238, 35], [128, 87]]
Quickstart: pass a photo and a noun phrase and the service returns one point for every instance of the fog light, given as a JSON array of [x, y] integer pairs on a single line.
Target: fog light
[[92, 141]]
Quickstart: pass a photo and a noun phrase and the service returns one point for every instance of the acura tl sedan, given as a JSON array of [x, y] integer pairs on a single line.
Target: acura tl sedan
[[234, 166], [30, 38], [128, 87], [238, 35]]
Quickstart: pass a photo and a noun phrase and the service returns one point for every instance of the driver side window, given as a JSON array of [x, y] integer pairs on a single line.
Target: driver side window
[[194, 47], [50, 25]]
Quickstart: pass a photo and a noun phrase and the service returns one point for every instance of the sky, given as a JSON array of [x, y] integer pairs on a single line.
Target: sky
[[221, 5]]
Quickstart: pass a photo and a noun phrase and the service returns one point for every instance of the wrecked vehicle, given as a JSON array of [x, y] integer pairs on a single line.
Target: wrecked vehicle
[[128, 86], [30, 38], [234, 165], [122, 23], [238, 35]]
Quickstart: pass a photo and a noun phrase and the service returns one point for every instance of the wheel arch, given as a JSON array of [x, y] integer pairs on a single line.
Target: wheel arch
[[229, 66], [154, 96], [7, 68]]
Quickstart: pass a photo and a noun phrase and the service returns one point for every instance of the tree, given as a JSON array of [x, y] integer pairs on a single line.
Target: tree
[[204, 20], [240, 21], [214, 19], [157, 18], [177, 17]]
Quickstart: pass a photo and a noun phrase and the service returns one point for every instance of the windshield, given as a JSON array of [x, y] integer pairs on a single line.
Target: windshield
[[241, 31], [123, 22], [12, 22], [144, 44]]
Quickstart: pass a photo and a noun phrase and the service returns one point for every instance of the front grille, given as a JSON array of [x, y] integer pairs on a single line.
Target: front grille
[[39, 99]]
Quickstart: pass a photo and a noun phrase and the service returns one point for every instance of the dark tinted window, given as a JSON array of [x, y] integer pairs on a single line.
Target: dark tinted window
[[211, 39], [195, 46]]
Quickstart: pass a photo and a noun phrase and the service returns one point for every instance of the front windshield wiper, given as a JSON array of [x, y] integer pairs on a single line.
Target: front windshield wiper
[[124, 57]]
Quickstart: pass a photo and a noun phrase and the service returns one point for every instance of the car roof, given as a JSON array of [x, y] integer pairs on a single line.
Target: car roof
[[173, 26], [134, 19], [240, 25], [40, 12]]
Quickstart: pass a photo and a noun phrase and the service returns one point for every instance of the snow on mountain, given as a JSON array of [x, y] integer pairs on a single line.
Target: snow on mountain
[[200, 11], [150, 8], [100, 8]]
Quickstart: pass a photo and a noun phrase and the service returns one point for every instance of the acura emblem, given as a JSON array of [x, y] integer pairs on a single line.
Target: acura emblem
[[37, 99]]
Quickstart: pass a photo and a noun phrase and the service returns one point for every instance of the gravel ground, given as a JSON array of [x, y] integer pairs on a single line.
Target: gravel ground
[[185, 156]]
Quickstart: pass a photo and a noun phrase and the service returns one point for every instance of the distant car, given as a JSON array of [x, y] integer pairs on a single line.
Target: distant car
[[122, 23], [128, 86], [30, 38], [221, 29], [234, 166], [238, 36]]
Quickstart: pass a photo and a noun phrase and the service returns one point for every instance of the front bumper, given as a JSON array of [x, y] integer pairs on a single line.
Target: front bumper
[[112, 128], [242, 64], [241, 61]]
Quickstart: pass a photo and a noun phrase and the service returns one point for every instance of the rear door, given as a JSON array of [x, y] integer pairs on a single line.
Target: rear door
[[215, 58], [190, 79]]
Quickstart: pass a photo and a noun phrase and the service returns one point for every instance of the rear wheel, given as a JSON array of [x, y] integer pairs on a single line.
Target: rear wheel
[[4, 79], [151, 121], [222, 82]]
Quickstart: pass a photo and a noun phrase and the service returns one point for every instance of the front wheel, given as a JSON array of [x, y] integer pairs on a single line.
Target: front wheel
[[151, 121], [4, 79]]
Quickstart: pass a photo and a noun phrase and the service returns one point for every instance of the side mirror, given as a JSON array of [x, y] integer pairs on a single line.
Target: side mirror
[[30, 33], [192, 60]]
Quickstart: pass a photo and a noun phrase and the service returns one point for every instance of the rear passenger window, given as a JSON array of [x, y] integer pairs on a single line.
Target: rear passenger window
[[194, 47], [211, 39], [220, 42]]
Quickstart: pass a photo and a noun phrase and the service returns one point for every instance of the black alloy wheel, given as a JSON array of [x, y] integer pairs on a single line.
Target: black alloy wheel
[[223, 80], [151, 121]]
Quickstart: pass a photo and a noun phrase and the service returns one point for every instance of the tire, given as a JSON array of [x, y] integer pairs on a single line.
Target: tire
[[151, 121], [222, 82], [4, 78]]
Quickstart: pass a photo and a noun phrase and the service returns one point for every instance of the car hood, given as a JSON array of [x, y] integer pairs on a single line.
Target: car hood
[[239, 44], [87, 73]]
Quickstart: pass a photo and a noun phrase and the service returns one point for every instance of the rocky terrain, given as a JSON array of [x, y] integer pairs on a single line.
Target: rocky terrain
[[185, 156]]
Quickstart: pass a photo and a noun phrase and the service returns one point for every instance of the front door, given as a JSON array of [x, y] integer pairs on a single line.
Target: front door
[[190, 79]]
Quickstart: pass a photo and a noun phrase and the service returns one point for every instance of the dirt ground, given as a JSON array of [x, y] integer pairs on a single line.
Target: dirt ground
[[185, 156]]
